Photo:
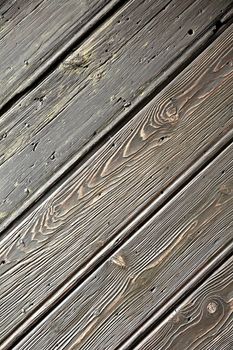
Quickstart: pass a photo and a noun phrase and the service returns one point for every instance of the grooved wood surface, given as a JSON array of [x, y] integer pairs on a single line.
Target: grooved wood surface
[[94, 88], [146, 156], [33, 33], [148, 270], [203, 322]]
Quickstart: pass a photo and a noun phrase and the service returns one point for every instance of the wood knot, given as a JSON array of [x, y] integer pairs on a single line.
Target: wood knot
[[226, 189], [119, 260], [212, 307], [80, 61], [176, 319], [167, 114]]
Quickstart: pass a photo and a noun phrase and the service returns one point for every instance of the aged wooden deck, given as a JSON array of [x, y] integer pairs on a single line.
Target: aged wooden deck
[[116, 174]]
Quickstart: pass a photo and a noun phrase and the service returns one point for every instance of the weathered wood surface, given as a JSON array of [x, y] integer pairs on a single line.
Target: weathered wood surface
[[159, 260], [130, 54], [145, 157], [33, 33], [203, 322]]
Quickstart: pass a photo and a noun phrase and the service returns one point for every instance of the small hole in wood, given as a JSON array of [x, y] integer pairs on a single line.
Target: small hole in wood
[[190, 32], [52, 157]]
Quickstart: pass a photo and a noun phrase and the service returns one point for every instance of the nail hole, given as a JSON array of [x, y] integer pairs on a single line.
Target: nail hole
[[190, 32], [34, 144], [52, 157]]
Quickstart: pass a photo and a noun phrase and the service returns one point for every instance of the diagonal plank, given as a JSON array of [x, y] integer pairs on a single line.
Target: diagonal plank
[[94, 89], [203, 322], [68, 228], [159, 260], [34, 33]]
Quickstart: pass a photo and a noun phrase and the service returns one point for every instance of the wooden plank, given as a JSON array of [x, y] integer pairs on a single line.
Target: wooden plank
[[203, 322], [148, 270], [66, 231], [34, 33], [54, 125]]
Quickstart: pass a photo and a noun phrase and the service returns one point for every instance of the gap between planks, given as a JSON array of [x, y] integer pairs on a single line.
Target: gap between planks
[[210, 326], [46, 68], [169, 307], [208, 181], [200, 44], [90, 268], [207, 154]]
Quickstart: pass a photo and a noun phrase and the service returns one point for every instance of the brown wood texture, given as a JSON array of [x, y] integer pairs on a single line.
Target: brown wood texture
[[33, 33], [71, 225], [203, 322], [159, 260], [93, 89]]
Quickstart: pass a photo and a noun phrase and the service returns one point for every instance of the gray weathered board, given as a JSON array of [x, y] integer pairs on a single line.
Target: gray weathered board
[[95, 88], [34, 33], [203, 322], [67, 229], [156, 262]]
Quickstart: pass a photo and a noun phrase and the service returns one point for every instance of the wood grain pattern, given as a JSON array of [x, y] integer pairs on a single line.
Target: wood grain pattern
[[159, 260], [203, 322], [33, 33], [94, 89], [68, 228]]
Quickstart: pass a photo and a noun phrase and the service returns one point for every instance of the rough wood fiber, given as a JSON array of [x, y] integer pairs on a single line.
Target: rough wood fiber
[[146, 156], [203, 322], [148, 270], [94, 87], [33, 33]]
